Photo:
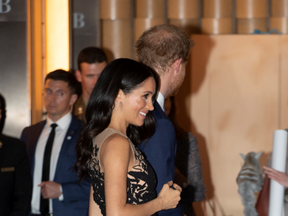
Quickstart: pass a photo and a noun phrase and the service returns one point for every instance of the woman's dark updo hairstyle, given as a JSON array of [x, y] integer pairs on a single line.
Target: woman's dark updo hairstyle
[[124, 74]]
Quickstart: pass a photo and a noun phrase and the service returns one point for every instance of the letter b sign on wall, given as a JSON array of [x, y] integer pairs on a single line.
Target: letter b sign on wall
[[5, 7]]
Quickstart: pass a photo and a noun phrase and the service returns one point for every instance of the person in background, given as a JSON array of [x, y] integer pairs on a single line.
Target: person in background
[[51, 152], [15, 178], [91, 62], [188, 170], [262, 204], [280, 177], [164, 48]]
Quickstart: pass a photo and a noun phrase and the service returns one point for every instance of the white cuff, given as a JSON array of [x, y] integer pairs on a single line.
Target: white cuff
[[61, 197]]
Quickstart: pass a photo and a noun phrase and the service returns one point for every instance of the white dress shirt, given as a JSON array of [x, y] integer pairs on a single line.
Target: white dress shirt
[[160, 99], [60, 132]]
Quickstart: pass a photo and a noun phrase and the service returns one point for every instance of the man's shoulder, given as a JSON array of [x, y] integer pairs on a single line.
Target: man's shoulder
[[75, 122], [79, 107], [80, 101], [12, 141], [32, 131], [38, 124], [32, 128], [162, 121], [158, 113]]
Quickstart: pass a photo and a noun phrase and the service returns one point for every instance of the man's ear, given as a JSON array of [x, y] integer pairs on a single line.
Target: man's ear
[[73, 99], [78, 75], [176, 65]]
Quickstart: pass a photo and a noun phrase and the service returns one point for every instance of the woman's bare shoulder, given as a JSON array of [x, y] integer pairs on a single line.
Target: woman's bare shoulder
[[115, 146]]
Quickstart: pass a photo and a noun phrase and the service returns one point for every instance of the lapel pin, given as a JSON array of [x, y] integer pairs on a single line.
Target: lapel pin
[[69, 137]]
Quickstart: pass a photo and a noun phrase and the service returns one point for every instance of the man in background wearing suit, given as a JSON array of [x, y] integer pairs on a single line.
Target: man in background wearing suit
[[15, 178], [164, 48], [51, 151], [91, 62]]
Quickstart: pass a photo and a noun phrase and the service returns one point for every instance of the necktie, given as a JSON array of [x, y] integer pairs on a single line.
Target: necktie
[[44, 203]]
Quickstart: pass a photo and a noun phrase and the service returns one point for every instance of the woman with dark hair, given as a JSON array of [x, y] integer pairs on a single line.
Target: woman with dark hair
[[117, 117]]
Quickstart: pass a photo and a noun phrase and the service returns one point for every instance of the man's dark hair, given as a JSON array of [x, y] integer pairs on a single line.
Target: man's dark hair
[[91, 55], [65, 76]]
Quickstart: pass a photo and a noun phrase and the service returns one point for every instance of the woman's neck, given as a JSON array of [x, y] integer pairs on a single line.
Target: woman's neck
[[118, 125]]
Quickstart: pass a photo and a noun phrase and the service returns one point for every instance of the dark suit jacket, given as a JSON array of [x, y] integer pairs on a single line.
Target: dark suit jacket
[[160, 151], [15, 178], [76, 196]]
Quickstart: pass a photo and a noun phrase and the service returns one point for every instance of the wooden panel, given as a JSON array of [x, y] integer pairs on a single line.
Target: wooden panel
[[233, 107], [217, 8], [183, 9], [37, 73], [251, 8], [247, 26], [141, 25], [279, 8], [279, 23], [216, 26], [189, 26], [116, 38], [152, 9], [283, 82], [115, 9]]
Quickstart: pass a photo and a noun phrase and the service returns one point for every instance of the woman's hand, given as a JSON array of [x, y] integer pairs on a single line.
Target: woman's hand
[[169, 196], [280, 177]]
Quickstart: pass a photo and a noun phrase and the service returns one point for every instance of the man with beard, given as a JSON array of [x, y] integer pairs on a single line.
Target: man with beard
[[165, 49]]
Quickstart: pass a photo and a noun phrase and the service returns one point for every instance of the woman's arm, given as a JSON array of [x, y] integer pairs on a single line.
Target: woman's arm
[[117, 159], [94, 209]]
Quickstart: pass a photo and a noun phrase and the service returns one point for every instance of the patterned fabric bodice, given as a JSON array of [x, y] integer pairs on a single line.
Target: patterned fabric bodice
[[141, 179]]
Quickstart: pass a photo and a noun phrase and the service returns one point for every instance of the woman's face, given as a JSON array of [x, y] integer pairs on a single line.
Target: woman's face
[[138, 103]]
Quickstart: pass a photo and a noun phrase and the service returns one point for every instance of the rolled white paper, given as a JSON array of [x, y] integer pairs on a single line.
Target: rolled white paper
[[276, 199]]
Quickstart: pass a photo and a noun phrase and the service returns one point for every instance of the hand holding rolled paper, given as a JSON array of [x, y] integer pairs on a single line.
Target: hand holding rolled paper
[[280, 177], [276, 199]]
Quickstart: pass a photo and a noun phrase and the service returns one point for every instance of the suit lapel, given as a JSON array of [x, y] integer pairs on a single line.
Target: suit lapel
[[69, 137], [33, 142]]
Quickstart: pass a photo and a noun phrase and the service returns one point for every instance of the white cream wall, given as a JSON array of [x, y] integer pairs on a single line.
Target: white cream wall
[[234, 96]]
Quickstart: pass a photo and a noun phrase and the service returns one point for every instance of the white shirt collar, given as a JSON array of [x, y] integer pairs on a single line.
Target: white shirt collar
[[63, 122], [160, 99]]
